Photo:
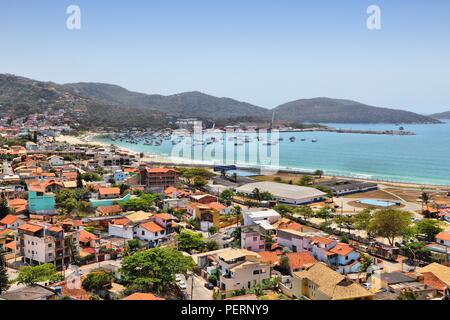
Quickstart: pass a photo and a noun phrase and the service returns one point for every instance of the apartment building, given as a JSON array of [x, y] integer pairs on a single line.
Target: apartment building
[[42, 243], [240, 269], [157, 179]]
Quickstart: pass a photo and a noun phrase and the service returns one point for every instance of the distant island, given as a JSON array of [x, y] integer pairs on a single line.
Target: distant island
[[442, 115], [93, 105]]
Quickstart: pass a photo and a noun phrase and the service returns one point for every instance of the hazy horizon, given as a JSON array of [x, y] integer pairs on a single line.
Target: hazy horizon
[[260, 52]]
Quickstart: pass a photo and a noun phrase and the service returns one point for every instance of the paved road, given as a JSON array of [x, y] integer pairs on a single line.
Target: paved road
[[199, 291]]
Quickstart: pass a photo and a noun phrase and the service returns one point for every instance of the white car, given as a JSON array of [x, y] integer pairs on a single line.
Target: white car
[[182, 285], [178, 278]]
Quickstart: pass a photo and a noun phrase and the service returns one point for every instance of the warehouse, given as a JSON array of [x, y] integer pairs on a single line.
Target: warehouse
[[284, 193]]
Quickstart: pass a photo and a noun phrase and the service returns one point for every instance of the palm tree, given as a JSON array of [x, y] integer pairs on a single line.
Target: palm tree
[[425, 197], [257, 194]]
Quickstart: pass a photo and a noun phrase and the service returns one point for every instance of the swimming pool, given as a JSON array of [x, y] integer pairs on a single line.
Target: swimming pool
[[379, 203]]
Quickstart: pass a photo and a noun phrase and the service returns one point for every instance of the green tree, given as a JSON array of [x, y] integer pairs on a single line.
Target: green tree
[[429, 228], [365, 262], [318, 173], [91, 177], [155, 269], [4, 283], [389, 223], [199, 182], [256, 194], [305, 181], [324, 213], [4, 209], [190, 240], [344, 222], [132, 246], [70, 204], [425, 197], [226, 197], [79, 180], [407, 294], [136, 204], [211, 245], [31, 275], [416, 251], [361, 220], [97, 280], [305, 211]]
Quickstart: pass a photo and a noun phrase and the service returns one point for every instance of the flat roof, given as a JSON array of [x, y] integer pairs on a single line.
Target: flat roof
[[282, 190]]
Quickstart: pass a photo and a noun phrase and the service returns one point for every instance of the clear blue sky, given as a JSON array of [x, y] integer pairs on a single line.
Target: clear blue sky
[[263, 52]]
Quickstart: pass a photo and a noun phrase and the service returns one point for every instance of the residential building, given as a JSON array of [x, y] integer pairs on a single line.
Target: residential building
[[319, 282], [11, 222], [108, 193], [240, 269], [157, 179], [150, 232], [443, 238], [252, 217], [41, 203], [55, 161], [42, 243]]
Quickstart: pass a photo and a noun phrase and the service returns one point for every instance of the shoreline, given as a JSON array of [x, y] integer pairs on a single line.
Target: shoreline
[[87, 139]]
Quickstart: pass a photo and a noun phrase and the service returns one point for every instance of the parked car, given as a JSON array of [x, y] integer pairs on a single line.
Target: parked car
[[366, 285], [178, 278], [182, 285], [209, 286]]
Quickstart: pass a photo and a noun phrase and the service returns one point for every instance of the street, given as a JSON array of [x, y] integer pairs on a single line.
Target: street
[[199, 292]]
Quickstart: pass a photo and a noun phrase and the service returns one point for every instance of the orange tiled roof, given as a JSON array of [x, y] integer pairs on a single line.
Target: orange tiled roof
[[152, 227], [216, 206], [443, 236], [431, 280], [342, 249], [30, 227], [270, 257], [142, 296], [110, 209], [300, 260], [121, 222], [108, 191], [323, 240], [163, 216], [159, 170], [87, 236], [55, 229], [9, 219]]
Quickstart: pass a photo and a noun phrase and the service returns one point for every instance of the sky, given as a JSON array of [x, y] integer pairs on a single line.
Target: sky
[[259, 51]]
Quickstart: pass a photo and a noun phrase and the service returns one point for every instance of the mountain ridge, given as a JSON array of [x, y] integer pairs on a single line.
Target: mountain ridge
[[113, 105]]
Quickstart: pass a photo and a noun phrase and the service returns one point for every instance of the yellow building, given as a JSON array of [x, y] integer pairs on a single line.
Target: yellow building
[[208, 217], [319, 282]]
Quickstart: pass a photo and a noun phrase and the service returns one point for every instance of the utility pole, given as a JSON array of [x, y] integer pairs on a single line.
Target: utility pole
[[192, 287]]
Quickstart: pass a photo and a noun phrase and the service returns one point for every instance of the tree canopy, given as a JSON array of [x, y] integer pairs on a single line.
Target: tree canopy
[[155, 269], [389, 223], [31, 275]]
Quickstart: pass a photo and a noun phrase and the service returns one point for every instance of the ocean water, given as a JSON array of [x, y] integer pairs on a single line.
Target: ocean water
[[423, 158]]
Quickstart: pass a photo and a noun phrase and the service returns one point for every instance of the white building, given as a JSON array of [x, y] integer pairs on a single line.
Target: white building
[[443, 238], [252, 217], [284, 193], [55, 161]]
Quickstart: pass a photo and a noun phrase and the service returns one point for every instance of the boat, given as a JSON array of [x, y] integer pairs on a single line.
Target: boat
[[292, 139], [314, 140], [303, 139]]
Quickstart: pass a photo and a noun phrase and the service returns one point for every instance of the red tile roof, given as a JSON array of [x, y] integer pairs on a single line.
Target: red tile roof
[[30, 227], [108, 191], [269, 257], [142, 296], [342, 249], [152, 227], [9, 219], [323, 240], [443, 236], [87, 236], [107, 210], [163, 216], [300, 260], [431, 280], [159, 170]]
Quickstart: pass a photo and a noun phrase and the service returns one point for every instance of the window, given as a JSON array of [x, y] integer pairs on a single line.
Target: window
[[49, 245], [143, 233]]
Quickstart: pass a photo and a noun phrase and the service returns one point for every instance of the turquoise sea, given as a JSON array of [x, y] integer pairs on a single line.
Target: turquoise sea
[[423, 158]]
